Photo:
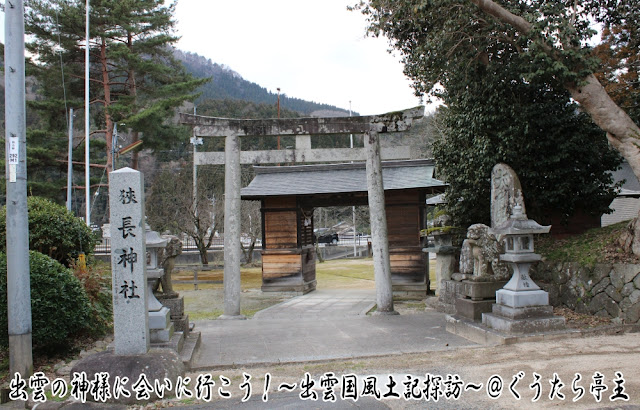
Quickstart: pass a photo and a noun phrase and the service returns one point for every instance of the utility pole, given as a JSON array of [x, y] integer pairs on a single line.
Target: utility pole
[[87, 179], [18, 275], [353, 208], [114, 146], [195, 141], [278, 114], [70, 165]]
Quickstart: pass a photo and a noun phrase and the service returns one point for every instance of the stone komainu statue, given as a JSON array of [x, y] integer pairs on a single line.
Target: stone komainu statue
[[168, 261], [480, 254]]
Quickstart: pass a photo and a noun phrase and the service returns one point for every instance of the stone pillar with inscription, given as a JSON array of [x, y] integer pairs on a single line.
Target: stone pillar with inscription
[[128, 262]]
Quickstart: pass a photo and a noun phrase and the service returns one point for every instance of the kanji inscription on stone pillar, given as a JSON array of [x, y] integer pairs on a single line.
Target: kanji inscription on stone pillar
[[128, 262]]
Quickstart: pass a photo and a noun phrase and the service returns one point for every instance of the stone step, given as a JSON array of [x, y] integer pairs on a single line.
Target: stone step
[[190, 348], [161, 335], [176, 342], [529, 312], [523, 326], [479, 333], [473, 309]]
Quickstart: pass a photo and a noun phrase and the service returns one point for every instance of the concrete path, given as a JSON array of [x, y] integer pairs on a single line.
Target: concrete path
[[321, 325], [323, 304]]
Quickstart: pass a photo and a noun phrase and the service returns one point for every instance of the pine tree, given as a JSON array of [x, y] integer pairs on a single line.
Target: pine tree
[[134, 78]]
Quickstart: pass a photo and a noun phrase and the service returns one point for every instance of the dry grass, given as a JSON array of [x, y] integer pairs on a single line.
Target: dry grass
[[207, 302], [345, 274]]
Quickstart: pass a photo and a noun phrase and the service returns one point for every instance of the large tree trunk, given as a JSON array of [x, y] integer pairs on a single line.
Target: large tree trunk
[[106, 85], [622, 133], [133, 91], [135, 157]]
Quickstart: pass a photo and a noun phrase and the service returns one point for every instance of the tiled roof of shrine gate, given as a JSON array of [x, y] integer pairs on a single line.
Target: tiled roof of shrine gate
[[338, 178]]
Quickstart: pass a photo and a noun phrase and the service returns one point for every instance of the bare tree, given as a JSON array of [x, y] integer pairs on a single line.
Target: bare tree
[[171, 204], [251, 222]]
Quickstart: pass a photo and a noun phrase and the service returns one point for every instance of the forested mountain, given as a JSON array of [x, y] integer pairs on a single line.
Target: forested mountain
[[228, 84]]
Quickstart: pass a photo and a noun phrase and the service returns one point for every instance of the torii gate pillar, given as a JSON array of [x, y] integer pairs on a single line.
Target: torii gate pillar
[[378, 218], [232, 229]]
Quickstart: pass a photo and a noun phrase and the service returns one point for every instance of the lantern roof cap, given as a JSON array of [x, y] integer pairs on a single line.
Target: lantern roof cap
[[153, 239]]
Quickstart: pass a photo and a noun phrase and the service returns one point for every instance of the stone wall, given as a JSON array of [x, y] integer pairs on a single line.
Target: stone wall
[[608, 290]]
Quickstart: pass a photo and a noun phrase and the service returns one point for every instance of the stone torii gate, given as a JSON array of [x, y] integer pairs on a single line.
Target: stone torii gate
[[303, 128]]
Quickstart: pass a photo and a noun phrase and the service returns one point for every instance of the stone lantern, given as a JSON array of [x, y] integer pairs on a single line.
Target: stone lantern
[[518, 233], [155, 244], [160, 326], [521, 306]]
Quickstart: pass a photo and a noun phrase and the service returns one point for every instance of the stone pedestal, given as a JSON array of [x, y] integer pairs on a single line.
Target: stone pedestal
[[477, 298], [160, 327], [446, 259], [176, 306], [184, 341], [522, 312], [521, 306]]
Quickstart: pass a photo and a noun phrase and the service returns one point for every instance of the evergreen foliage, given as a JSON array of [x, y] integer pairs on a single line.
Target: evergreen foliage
[[501, 69], [230, 108], [134, 77], [60, 308], [560, 156], [53, 231], [437, 37]]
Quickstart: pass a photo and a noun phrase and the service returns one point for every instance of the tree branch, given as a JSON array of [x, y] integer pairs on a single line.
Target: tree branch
[[504, 15]]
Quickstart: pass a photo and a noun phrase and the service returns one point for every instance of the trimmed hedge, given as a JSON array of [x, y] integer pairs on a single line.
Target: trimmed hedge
[[60, 308], [53, 231]]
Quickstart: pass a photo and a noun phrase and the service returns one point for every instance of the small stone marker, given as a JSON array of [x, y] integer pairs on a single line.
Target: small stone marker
[[128, 262], [506, 193]]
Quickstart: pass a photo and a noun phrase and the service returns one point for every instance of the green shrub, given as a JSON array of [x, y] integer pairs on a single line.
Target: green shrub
[[60, 308], [53, 231]]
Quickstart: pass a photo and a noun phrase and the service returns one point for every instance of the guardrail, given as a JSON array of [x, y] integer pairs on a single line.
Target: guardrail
[[349, 240], [188, 244]]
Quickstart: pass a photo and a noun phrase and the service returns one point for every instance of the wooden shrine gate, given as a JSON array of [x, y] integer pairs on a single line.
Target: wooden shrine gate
[[371, 126]]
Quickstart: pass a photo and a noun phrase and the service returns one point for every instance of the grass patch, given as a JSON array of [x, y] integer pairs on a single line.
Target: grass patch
[[345, 274], [204, 314], [415, 305], [598, 245]]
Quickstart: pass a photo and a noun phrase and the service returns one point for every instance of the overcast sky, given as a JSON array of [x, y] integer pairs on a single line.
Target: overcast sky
[[314, 50]]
